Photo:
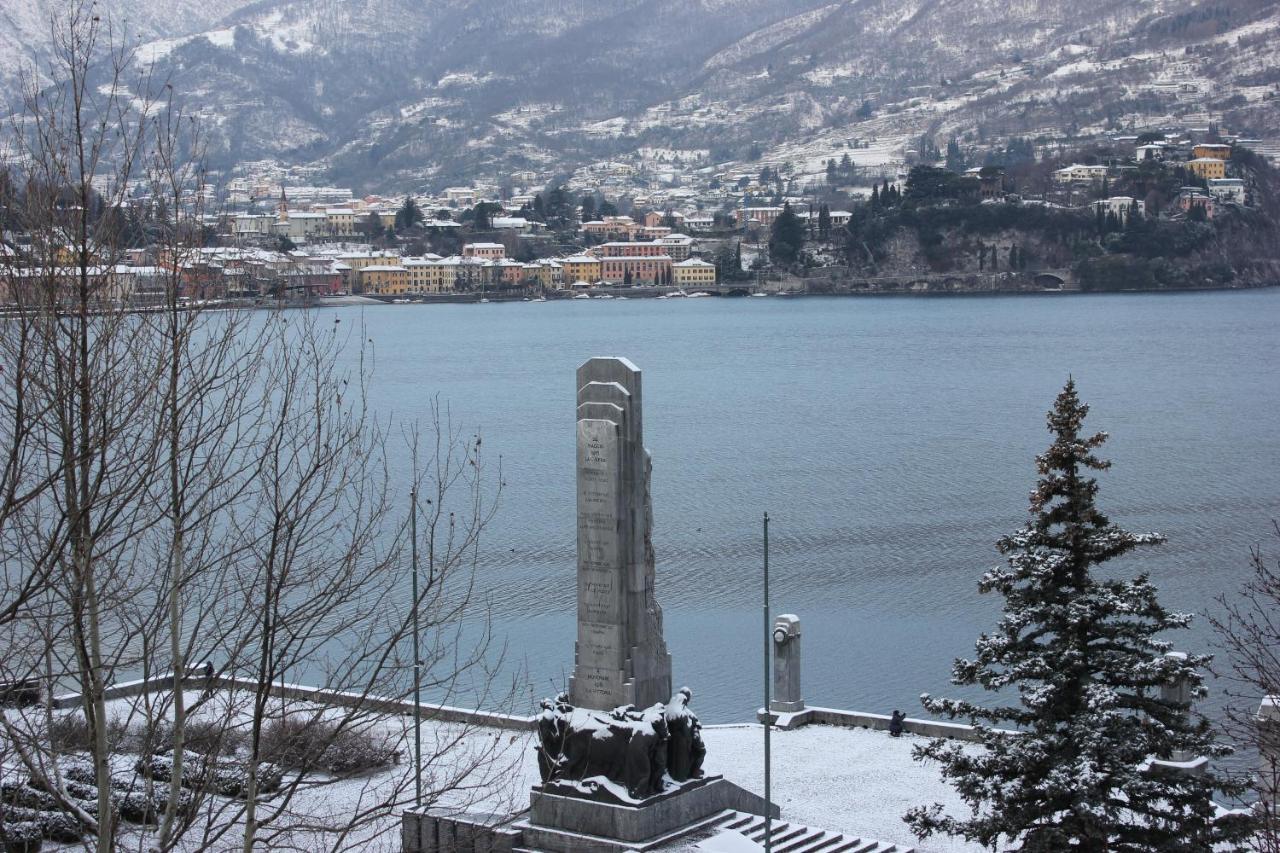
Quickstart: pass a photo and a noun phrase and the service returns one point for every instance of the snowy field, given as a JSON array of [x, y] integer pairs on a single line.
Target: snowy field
[[855, 781]]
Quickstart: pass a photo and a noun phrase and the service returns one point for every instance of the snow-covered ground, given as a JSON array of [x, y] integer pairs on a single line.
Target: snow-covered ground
[[850, 780], [856, 781]]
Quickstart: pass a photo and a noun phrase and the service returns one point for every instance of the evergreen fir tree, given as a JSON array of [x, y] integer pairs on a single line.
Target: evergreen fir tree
[[875, 198], [786, 237], [1082, 653], [409, 214], [824, 222]]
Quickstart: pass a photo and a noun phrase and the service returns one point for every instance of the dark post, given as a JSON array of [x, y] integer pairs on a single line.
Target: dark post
[[417, 657], [768, 720]]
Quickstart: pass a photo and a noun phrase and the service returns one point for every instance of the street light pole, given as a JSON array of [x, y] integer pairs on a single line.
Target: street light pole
[[768, 720], [417, 656]]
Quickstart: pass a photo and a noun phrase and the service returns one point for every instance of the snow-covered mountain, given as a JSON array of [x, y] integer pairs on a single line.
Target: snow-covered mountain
[[26, 26], [416, 93]]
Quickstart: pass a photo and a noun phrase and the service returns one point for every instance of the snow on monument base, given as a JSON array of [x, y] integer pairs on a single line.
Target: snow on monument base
[[569, 824]]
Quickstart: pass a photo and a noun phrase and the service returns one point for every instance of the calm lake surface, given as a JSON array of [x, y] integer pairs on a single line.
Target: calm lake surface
[[891, 440]]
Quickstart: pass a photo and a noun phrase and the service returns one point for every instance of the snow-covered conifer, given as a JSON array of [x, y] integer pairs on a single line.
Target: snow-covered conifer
[[1083, 655]]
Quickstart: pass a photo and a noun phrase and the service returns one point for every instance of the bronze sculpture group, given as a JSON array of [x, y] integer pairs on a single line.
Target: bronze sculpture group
[[642, 750]]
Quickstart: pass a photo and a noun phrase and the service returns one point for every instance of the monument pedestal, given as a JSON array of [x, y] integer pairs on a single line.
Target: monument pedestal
[[575, 824]]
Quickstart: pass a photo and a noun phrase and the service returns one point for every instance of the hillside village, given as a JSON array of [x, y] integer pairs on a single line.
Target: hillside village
[[856, 229]]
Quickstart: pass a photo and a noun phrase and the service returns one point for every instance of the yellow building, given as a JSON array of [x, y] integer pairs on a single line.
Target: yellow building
[[546, 273], [581, 268], [694, 272], [385, 280], [1212, 150], [424, 275], [353, 264], [1209, 168]]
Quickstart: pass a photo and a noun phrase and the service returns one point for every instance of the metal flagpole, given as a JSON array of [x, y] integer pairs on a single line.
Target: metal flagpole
[[768, 720], [417, 656]]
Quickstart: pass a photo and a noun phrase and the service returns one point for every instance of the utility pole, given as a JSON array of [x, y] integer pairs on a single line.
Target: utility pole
[[417, 656], [768, 719]]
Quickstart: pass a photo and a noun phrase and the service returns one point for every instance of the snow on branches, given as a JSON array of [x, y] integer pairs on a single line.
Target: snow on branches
[[1083, 655]]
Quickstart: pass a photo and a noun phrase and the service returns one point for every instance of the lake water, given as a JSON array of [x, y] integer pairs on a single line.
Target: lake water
[[891, 440]]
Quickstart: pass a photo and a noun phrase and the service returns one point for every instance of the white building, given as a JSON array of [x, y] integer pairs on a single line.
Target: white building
[[1227, 189], [1150, 151], [1077, 172], [1122, 206], [460, 196]]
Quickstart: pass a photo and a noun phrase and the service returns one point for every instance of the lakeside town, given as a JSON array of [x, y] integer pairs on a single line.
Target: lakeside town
[[676, 226]]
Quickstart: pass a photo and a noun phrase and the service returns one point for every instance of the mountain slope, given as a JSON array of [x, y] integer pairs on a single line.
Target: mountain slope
[[410, 94]]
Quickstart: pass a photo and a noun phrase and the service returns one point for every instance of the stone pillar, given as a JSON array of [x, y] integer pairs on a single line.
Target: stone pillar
[[1268, 728], [787, 697], [1180, 761], [621, 657], [1177, 692]]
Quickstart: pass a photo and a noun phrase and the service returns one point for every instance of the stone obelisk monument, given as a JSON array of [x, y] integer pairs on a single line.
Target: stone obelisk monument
[[621, 658]]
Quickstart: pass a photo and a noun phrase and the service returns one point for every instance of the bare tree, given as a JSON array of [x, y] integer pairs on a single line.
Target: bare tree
[[201, 485], [93, 368], [1248, 631], [207, 420]]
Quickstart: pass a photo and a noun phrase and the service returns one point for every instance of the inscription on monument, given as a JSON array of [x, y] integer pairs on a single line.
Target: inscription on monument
[[621, 656]]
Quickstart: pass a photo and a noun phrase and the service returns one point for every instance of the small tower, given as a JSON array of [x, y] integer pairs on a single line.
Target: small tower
[[282, 209]]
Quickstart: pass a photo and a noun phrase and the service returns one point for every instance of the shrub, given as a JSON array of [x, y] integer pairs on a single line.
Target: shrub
[[137, 805], [77, 770], [305, 744], [56, 826], [61, 827], [203, 736], [28, 797], [71, 733], [78, 782], [228, 779], [357, 752], [25, 835], [210, 738]]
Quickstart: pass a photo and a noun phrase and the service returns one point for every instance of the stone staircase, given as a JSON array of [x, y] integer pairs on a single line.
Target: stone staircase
[[794, 838]]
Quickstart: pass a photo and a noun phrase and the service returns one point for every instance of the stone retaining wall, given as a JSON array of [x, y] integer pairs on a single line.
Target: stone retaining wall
[[318, 695]]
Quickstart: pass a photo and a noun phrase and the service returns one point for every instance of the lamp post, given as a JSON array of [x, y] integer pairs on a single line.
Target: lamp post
[[768, 720], [417, 657]]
